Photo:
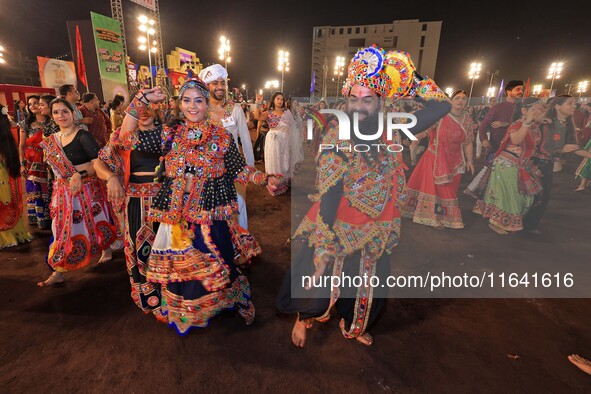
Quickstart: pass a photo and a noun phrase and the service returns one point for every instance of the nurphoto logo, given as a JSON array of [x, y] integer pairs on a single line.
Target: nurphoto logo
[[393, 120]]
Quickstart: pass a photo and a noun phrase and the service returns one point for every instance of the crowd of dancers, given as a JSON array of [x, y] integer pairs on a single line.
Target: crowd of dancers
[[169, 186]]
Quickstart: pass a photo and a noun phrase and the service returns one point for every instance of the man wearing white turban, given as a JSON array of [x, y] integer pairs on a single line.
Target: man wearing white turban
[[232, 118]]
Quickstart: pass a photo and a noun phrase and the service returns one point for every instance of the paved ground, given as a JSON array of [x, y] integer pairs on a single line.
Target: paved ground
[[86, 335]]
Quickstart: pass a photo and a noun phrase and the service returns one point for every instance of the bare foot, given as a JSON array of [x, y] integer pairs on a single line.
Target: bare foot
[[582, 363], [106, 256], [298, 334], [580, 189], [55, 278], [497, 229]]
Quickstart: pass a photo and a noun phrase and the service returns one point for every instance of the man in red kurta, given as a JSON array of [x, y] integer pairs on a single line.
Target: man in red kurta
[[91, 109]]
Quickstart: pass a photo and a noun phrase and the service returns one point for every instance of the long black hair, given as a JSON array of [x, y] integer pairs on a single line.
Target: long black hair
[[17, 108], [551, 113], [31, 117], [8, 150]]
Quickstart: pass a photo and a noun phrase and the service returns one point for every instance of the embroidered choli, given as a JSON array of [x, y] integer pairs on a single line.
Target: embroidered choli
[[208, 153]]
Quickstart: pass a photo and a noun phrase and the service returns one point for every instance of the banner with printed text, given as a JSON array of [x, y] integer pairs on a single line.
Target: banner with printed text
[[109, 50], [54, 72]]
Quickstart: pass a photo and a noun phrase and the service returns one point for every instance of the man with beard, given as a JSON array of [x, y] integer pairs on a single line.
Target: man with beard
[[354, 222], [232, 118]]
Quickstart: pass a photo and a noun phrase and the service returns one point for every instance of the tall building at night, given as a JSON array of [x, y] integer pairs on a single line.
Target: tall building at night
[[420, 39]]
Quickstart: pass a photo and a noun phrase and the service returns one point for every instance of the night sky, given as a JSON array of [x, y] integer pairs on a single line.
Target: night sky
[[519, 38]]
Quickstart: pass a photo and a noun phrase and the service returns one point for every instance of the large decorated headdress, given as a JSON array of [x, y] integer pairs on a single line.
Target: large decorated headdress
[[194, 83], [389, 74]]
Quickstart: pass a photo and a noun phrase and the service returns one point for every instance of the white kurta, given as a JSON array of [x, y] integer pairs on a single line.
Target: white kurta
[[237, 126]]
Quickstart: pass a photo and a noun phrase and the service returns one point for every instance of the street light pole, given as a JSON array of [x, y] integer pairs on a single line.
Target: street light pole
[[338, 71], [492, 75], [224, 52], [144, 27], [283, 65], [582, 88], [473, 74], [554, 73]]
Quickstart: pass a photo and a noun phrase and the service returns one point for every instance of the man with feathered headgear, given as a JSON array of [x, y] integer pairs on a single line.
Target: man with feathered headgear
[[231, 116], [354, 222]]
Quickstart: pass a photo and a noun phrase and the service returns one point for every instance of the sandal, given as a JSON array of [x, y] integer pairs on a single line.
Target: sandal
[[497, 229], [365, 339], [54, 278]]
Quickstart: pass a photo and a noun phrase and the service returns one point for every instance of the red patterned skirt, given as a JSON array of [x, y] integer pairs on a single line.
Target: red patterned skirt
[[431, 204], [82, 225]]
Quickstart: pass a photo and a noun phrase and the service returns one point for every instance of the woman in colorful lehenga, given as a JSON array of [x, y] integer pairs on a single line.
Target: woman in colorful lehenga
[[278, 153], [33, 167], [584, 170], [432, 190], [12, 227], [513, 180], [82, 223], [128, 165], [193, 253]]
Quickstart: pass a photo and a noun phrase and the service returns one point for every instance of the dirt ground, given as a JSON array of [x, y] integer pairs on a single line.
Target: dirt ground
[[87, 335]]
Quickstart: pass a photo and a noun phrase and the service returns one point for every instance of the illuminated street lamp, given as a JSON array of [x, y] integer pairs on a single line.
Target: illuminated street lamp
[[224, 51], [283, 64], [554, 73], [537, 90], [582, 87], [339, 68], [146, 43], [274, 84], [491, 92], [2, 61], [473, 74], [449, 91]]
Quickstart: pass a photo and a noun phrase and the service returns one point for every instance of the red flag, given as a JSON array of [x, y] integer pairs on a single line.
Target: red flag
[[527, 92], [80, 59]]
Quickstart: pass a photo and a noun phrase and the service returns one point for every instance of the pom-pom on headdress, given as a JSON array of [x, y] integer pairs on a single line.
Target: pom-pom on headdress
[[388, 74]]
